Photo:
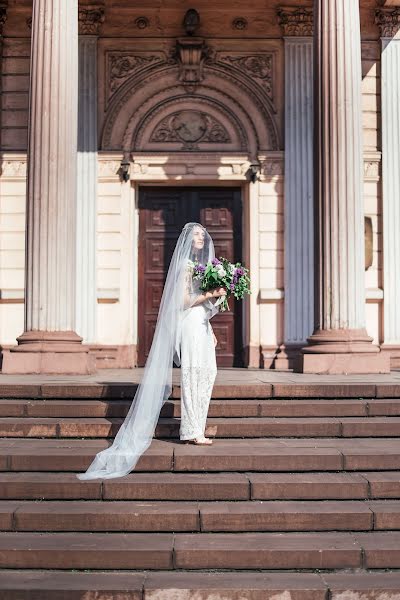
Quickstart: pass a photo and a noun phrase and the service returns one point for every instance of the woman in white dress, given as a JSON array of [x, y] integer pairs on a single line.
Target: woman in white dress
[[198, 364], [182, 335]]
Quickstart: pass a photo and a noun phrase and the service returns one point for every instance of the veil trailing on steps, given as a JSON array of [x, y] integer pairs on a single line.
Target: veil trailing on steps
[[180, 293]]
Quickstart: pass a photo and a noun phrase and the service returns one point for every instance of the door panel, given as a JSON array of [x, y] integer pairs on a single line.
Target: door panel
[[163, 213]]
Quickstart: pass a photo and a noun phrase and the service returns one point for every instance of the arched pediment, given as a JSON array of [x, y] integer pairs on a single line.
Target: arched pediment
[[153, 111]]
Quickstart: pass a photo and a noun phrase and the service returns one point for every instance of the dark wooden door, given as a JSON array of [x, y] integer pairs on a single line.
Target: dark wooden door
[[163, 212]]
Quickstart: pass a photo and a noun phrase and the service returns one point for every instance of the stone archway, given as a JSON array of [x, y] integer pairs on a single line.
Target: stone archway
[[232, 103]]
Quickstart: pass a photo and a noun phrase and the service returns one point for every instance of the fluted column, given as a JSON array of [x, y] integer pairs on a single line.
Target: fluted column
[[86, 298], [49, 343], [389, 23], [297, 25], [340, 343]]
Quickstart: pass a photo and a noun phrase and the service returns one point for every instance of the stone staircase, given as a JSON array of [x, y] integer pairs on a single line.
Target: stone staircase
[[297, 499]]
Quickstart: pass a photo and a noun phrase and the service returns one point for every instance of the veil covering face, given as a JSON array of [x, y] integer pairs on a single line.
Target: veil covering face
[[180, 293]]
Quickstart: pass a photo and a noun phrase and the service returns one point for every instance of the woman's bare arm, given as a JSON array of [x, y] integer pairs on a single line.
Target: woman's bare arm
[[208, 295]]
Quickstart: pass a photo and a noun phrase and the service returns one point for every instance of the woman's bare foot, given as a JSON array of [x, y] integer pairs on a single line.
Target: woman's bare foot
[[200, 441]]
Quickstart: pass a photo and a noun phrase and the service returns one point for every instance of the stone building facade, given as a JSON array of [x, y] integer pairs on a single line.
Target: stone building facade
[[278, 126]]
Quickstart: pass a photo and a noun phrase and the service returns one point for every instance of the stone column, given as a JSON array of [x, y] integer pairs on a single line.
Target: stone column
[[49, 343], [90, 20], [340, 343], [389, 23], [297, 25]]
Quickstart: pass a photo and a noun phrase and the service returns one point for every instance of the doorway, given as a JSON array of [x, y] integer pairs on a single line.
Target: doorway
[[163, 211]]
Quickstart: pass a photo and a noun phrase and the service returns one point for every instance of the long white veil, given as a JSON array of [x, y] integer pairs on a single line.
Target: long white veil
[[136, 432]]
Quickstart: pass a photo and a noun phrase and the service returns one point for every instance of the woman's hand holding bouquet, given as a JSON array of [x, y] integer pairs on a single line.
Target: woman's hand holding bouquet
[[220, 273]]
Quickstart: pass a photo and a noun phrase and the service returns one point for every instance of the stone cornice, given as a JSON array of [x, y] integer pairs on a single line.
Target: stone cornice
[[388, 21], [91, 18], [296, 21]]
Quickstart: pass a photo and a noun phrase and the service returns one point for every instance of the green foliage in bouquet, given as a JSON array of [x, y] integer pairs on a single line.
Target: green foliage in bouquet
[[222, 273]]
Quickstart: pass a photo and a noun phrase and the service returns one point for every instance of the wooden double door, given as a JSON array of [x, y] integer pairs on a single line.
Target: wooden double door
[[163, 211]]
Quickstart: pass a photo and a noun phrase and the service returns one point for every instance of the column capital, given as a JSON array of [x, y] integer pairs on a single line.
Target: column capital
[[91, 17], [296, 21], [388, 21], [3, 14]]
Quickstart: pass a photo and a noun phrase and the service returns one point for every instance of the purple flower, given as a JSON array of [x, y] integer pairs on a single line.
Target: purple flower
[[232, 287], [215, 262], [200, 268], [239, 272], [235, 279]]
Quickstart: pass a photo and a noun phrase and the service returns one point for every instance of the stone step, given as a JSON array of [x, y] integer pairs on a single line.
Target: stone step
[[234, 390], [245, 427], [92, 408], [46, 585], [371, 550], [283, 454], [202, 486], [253, 515]]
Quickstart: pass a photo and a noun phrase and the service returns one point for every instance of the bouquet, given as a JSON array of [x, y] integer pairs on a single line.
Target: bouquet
[[222, 273]]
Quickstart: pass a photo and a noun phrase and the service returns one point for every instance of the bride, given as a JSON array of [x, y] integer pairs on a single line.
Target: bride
[[182, 335]]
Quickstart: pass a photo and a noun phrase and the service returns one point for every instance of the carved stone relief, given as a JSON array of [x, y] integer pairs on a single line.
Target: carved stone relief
[[90, 20], [257, 66], [388, 21], [190, 127], [121, 65], [296, 21]]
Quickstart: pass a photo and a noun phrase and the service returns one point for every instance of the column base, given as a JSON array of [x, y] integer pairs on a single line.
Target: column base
[[343, 351], [49, 352], [289, 357], [345, 364]]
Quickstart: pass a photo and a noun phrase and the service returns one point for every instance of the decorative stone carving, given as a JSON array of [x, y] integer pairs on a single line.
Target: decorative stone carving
[[257, 66], [244, 102], [239, 23], [296, 21], [109, 168], [90, 20], [3, 15], [371, 170], [13, 168], [272, 167], [191, 21], [388, 21], [190, 54], [190, 127], [142, 22], [121, 66]]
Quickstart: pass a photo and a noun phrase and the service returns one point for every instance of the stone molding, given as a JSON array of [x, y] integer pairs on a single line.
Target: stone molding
[[90, 19], [296, 21], [388, 21], [185, 166]]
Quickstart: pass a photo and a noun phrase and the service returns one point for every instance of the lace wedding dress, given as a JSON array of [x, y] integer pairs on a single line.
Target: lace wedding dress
[[198, 371]]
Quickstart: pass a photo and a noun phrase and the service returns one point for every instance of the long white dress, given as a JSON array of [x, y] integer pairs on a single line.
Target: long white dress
[[198, 371]]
